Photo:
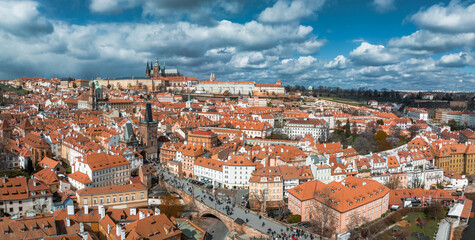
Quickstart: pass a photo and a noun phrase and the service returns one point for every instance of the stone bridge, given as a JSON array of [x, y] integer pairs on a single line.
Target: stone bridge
[[204, 210]]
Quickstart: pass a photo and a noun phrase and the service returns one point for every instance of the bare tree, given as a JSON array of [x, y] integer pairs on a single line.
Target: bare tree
[[356, 226], [322, 214], [417, 182], [393, 182], [40, 205], [261, 199], [282, 207]]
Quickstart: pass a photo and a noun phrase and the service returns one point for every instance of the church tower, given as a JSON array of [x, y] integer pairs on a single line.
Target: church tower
[[156, 69], [92, 96], [189, 103], [147, 71], [148, 134]]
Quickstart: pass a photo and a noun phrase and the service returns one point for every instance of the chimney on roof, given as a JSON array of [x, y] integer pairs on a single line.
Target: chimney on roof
[[364, 183], [108, 229], [81, 227], [157, 211], [86, 209], [68, 222], [122, 234], [34, 183]]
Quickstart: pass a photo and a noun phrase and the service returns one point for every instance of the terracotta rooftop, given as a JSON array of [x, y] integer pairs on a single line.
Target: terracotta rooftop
[[111, 189]]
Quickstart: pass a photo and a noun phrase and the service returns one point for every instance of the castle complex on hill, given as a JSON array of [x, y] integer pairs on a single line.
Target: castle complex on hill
[[158, 77]]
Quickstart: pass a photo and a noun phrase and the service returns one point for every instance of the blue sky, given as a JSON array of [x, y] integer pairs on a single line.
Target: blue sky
[[394, 44]]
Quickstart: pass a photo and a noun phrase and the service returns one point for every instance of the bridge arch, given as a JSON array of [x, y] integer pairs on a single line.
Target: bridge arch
[[229, 224], [207, 211]]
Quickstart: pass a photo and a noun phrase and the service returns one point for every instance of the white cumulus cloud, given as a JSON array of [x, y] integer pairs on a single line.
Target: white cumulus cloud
[[340, 62], [453, 18], [460, 59], [287, 11], [373, 55]]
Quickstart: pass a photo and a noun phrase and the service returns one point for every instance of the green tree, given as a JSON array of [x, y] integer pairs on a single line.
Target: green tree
[[294, 218]]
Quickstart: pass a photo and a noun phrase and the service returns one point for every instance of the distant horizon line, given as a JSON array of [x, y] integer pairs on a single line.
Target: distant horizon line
[[307, 86]]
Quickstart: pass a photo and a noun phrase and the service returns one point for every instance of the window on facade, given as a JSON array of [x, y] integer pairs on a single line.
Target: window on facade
[[95, 201]]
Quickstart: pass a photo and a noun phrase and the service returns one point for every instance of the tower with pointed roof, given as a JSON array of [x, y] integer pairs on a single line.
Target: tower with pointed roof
[[92, 96], [156, 69], [128, 138], [148, 134], [147, 71], [163, 69], [189, 104]]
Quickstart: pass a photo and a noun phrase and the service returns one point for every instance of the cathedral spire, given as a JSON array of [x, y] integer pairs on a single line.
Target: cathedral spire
[[147, 71]]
